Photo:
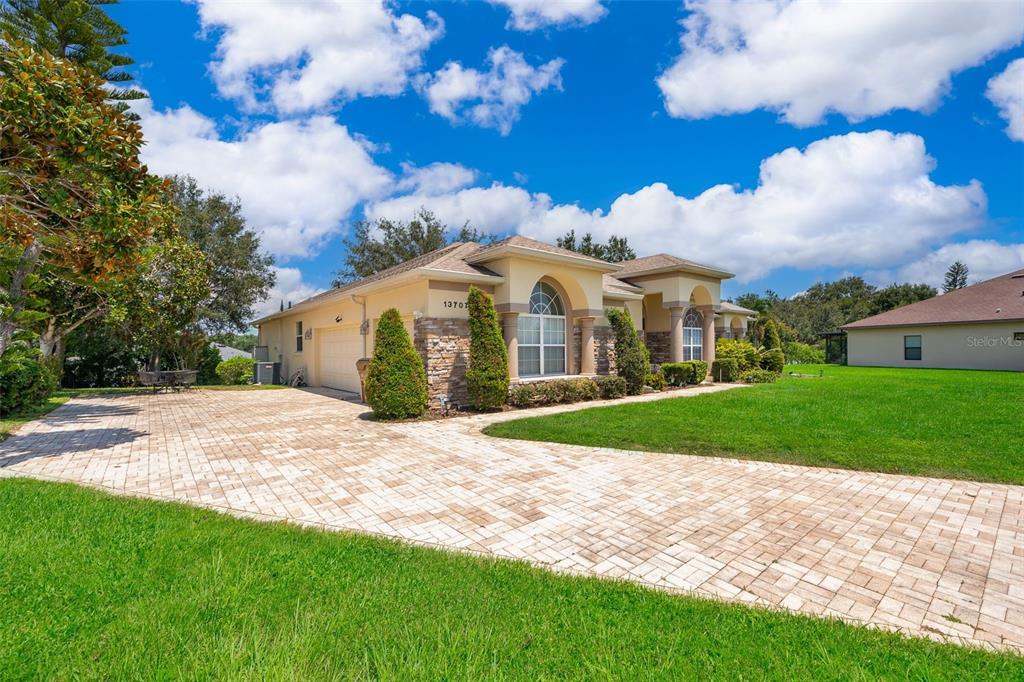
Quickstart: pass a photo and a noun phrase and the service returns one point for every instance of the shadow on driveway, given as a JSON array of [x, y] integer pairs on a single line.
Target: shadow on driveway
[[18, 449]]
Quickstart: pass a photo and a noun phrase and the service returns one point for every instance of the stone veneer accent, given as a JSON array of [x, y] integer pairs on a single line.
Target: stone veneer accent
[[660, 345], [444, 345], [604, 349]]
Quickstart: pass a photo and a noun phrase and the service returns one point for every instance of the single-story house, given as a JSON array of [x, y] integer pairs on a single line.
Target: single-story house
[[551, 302], [977, 327]]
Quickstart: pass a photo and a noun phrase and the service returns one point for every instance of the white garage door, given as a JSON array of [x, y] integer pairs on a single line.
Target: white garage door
[[339, 350]]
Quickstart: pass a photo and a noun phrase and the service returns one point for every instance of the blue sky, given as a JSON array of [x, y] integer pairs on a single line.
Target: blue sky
[[789, 144]]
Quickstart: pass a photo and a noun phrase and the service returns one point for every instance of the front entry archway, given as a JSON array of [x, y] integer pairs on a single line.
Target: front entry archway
[[542, 334]]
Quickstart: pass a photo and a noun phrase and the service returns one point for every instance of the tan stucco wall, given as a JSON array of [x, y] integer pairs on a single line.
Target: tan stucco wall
[[955, 346], [635, 308], [676, 289], [582, 286]]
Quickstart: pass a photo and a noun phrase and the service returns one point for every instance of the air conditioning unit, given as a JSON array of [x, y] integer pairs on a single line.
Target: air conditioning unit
[[267, 373]]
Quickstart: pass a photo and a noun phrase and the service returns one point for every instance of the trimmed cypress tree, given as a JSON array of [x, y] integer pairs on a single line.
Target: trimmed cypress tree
[[771, 335], [396, 381], [487, 376], [630, 357]]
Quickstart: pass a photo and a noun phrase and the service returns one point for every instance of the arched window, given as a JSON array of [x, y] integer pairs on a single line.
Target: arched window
[[541, 333], [693, 335]]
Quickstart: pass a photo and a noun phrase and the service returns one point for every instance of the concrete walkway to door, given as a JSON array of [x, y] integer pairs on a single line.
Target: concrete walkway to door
[[929, 557]]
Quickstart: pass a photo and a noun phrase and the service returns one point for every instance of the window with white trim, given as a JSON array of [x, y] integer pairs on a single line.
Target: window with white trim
[[912, 347], [541, 333], [298, 337], [693, 335]]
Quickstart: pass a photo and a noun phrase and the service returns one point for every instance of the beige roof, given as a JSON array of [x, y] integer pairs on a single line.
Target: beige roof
[[613, 285], [663, 262], [995, 300], [735, 309], [527, 243]]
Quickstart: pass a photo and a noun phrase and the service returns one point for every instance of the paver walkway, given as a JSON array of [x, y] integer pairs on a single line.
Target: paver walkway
[[927, 556]]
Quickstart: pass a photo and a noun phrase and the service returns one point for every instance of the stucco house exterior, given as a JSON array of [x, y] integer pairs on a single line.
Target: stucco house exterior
[[551, 302], [977, 327]]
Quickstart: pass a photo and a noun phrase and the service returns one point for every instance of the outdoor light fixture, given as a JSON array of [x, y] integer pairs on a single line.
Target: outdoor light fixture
[[338, 318]]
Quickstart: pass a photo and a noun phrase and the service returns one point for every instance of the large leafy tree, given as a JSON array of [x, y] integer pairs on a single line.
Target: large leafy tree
[[79, 31], [240, 274], [897, 295], [956, 277], [77, 205], [615, 251]]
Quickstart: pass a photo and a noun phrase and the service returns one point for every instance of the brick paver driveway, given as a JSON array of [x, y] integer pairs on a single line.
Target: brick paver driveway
[[927, 556]]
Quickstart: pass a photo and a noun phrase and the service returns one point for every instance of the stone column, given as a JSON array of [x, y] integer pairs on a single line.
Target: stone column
[[510, 327], [587, 352], [708, 347], [675, 352]]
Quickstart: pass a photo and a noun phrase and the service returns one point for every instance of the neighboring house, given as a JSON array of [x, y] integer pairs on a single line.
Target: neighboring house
[[551, 302], [977, 327], [227, 352]]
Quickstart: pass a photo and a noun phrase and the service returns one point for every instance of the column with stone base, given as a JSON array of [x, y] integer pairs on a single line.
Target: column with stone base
[[510, 329], [587, 350], [708, 340], [675, 352]]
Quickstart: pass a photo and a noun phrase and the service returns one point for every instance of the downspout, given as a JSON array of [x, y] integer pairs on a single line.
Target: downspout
[[362, 303]]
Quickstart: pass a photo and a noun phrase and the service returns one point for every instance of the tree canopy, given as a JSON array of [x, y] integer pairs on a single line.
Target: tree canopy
[[956, 277], [615, 251]]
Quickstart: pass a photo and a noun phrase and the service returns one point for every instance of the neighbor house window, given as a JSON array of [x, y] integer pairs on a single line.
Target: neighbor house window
[[541, 334], [912, 347], [693, 335], [298, 337]]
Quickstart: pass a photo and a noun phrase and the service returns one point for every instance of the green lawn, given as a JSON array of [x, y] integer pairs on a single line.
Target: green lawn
[[948, 423], [102, 587], [8, 424]]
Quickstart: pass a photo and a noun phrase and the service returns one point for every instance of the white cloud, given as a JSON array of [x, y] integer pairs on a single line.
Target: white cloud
[[436, 178], [310, 54], [498, 93], [806, 59], [1007, 92], [529, 15], [984, 259], [297, 180], [862, 200], [289, 287]]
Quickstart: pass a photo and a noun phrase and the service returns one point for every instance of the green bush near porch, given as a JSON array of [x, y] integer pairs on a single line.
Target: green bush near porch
[[396, 381], [685, 373], [487, 375], [234, 371], [725, 369], [631, 356]]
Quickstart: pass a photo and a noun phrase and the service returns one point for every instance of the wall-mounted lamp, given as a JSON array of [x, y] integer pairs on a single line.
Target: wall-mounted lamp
[[338, 318]]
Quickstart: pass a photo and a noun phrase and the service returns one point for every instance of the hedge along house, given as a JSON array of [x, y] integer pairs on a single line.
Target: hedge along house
[[551, 302]]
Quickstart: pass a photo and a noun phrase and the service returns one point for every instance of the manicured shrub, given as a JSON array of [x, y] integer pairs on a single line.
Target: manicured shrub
[[610, 386], [487, 375], [743, 352], [771, 335], [684, 373], [630, 357], [759, 376], [773, 360], [235, 371], [396, 381], [553, 392], [656, 380], [209, 360], [26, 380], [725, 369], [803, 353]]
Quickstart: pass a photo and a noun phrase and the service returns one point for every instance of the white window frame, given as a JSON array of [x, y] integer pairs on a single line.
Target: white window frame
[[549, 291], [693, 336], [298, 336]]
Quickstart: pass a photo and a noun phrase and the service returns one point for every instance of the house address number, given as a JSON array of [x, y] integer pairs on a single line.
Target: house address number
[[454, 304]]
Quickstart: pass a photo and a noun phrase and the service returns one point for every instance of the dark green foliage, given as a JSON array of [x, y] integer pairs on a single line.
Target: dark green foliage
[[956, 277], [76, 30], [615, 251], [240, 274], [396, 381], [630, 355], [209, 359], [804, 353], [240, 341], [773, 360], [771, 335], [743, 352], [26, 380], [759, 376], [234, 371], [553, 392], [656, 380], [725, 369], [897, 295], [487, 375], [685, 373], [610, 386]]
